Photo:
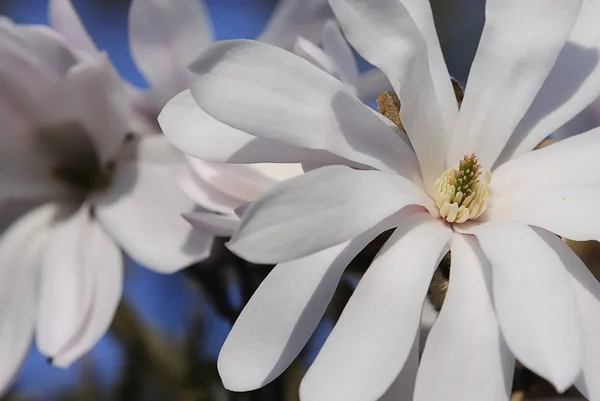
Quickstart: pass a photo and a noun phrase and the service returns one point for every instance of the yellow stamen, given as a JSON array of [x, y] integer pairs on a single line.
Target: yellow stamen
[[462, 191]]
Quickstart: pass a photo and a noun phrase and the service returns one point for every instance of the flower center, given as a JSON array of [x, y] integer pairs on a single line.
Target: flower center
[[461, 193]]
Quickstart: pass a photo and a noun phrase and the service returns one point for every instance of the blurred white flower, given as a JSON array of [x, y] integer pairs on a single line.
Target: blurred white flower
[[336, 58], [466, 181], [67, 148]]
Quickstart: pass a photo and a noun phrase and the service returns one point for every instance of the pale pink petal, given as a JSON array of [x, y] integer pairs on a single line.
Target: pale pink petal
[[283, 313], [465, 355], [76, 249], [587, 291], [165, 37], [294, 18], [100, 103], [269, 92], [336, 47], [21, 252], [519, 45], [573, 84], [142, 211], [219, 225], [534, 301], [196, 133], [106, 295], [374, 336], [394, 36], [64, 18], [320, 209]]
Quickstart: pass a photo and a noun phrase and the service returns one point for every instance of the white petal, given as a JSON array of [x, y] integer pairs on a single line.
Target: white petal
[[395, 36], [587, 291], [320, 209], [373, 338], [219, 225], [534, 301], [403, 387], [283, 313], [294, 18], [78, 247], [269, 92], [100, 103], [106, 294], [465, 355], [569, 211], [519, 46], [313, 53], [573, 84], [21, 249], [165, 37], [336, 47], [573, 161], [64, 18], [373, 83], [142, 212], [196, 133]]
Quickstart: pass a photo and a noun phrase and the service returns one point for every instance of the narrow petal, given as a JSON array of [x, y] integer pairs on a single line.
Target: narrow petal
[[100, 103], [509, 69], [320, 209], [374, 336], [165, 37], [64, 18], [534, 301], [395, 37], [573, 84], [78, 247], [587, 291], [294, 18], [283, 313], [198, 134], [372, 83], [271, 93], [107, 290], [219, 225], [142, 211], [313, 53], [339, 51], [21, 250], [404, 386], [465, 355]]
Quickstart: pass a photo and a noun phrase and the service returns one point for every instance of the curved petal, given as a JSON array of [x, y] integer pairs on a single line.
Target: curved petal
[[573, 84], [393, 36], [271, 93], [100, 103], [21, 252], [107, 290], [569, 211], [283, 313], [165, 37], [198, 134], [573, 161], [465, 355], [320, 209], [64, 18], [76, 250], [142, 212], [313, 53], [294, 18], [534, 301], [403, 387], [373, 338], [519, 46], [372, 83], [219, 225], [336, 47]]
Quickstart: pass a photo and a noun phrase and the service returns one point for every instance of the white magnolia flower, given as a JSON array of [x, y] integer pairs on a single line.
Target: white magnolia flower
[[463, 181], [66, 146], [336, 58]]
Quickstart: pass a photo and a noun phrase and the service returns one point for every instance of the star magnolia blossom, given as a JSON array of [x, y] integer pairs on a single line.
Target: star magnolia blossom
[[516, 289], [96, 187], [166, 36]]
